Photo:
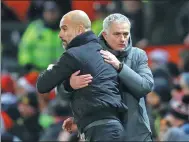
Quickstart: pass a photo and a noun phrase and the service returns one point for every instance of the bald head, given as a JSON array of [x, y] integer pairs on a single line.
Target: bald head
[[73, 24], [79, 17]]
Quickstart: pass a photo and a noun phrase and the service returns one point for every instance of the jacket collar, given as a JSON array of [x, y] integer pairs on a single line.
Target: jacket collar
[[82, 39]]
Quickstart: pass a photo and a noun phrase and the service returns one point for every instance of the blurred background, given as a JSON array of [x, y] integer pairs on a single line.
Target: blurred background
[[29, 43]]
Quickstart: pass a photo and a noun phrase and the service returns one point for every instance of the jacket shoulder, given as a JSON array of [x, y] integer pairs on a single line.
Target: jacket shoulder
[[138, 54], [138, 51], [36, 22]]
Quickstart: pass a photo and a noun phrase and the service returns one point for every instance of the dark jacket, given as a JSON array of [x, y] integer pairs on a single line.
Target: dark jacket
[[101, 99], [136, 81]]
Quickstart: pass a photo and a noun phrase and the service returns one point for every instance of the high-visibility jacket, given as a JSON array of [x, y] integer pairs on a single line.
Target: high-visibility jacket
[[39, 46]]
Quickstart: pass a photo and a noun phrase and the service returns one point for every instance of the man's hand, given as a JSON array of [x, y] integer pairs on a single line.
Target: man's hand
[[69, 125], [79, 81], [110, 58]]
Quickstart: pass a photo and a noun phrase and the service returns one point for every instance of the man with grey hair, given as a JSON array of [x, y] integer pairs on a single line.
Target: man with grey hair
[[136, 79]]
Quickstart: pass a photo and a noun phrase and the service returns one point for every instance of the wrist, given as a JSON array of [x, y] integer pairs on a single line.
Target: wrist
[[67, 86], [120, 67]]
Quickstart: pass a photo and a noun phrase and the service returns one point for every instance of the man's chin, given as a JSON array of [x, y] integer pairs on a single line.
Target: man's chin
[[121, 49], [64, 45]]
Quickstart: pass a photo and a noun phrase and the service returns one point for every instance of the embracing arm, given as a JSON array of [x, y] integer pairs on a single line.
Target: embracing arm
[[139, 83], [63, 91], [61, 71]]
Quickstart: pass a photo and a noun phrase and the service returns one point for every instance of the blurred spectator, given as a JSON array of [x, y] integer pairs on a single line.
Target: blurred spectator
[[179, 120], [165, 14], [186, 40], [182, 23], [27, 127], [6, 121], [182, 89], [135, 12], [45, 100], [101, 11], [6, 124], [184, 60], [7, 14], [7, 137], [60, 111], [41, 38], [158, 58], [184, 83], [8, 95], [27, 83], [36, 8], [173, 72], [158, 101]]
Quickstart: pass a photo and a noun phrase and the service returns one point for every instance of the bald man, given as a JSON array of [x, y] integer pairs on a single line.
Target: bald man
[[97, 107]]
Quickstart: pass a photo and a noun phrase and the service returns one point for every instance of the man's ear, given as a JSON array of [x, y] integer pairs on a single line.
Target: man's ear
[[104, 34], [80, 29]]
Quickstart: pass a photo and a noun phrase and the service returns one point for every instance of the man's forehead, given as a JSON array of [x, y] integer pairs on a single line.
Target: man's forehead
[[66, 20], [120, 24], [62, 22], [123, 26]]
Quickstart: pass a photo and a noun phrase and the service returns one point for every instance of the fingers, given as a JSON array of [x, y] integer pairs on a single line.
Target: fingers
[[105, 57], [85, 79], [67, 126], [80, 81], [64, 124], [82, 86], [105, 52], [108, 61], [76, 73], [86, 76]]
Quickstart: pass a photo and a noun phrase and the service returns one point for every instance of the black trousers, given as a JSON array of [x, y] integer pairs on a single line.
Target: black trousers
[[112, 131]]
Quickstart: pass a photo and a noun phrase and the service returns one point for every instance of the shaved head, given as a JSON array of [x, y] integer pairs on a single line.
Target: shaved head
[[73, 24], [78, 17]]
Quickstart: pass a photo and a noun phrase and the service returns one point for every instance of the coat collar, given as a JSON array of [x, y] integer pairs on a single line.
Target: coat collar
[[82, 39]]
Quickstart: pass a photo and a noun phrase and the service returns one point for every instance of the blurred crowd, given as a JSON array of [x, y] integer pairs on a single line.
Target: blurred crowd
[[27, 115]]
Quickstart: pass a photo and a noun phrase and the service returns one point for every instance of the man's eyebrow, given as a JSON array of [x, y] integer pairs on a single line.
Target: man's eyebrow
[[63, 26], [121, 32]]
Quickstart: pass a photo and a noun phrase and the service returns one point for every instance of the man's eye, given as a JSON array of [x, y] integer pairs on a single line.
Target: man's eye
[[116, 34], [126, 34]]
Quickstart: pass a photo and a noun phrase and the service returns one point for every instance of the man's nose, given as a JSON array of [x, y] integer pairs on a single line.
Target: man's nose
[[60, 35], [122, 38]]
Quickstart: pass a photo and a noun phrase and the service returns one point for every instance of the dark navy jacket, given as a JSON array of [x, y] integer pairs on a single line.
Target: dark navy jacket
[[101, 99]]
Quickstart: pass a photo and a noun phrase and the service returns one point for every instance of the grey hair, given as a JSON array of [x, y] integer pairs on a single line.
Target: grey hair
[[116, 17]]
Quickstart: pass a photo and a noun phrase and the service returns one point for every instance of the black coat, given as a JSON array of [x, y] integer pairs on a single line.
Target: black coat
[[99, 100]]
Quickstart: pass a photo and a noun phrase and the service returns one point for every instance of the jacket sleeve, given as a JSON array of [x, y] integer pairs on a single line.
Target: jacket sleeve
[[61, 71], [63, 92], [139, 83]]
